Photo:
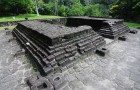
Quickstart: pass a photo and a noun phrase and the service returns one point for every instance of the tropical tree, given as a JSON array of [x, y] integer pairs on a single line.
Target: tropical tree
[[63, 10], [126, 9], [16, 6], [77, 9]]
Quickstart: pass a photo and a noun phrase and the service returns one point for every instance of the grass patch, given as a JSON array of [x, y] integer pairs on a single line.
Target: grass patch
[[22, 17], [134, 25], [10, 27]]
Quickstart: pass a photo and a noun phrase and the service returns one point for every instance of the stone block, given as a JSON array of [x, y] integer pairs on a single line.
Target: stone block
[[53, 63], [8, 32], [48, 69], [57, 80], [102, 52], [42, 84], [59, 58], [122, 38], [32, 79], [133, 31], [50, 58]]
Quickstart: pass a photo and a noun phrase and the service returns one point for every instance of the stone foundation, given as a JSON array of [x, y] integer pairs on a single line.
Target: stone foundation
[[109, 28], [55, 46]]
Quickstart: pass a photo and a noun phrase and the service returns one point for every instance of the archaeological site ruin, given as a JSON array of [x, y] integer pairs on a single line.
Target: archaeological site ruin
[[55, 44]]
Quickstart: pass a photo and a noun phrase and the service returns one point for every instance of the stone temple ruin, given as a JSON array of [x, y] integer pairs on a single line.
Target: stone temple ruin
[[58, 43], [109, 28], [55, 45]]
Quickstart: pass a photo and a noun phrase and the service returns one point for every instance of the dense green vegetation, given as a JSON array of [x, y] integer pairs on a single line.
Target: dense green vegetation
[[12, 7], [126, 9], [22, 17], [56, 7]]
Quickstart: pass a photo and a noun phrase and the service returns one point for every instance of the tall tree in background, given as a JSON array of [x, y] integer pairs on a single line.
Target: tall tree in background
[[126, 9], [77, 9], [9, 7], [36, 7], [58, 7]]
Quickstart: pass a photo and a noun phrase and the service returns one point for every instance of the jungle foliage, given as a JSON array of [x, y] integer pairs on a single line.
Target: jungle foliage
[[126, 9], [56, 7]]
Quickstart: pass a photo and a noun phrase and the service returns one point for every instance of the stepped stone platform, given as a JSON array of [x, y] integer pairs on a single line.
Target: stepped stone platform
[[119, 70], [109, 28], [56, 46]]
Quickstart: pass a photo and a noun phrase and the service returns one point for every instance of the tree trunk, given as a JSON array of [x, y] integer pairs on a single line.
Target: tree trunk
[[36, 7]]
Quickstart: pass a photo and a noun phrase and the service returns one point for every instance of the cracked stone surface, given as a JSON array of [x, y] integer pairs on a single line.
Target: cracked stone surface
[[118, 70], [13, 70]]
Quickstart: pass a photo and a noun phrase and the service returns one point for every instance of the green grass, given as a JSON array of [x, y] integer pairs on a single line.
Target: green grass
[[22, 17], [134, 25], [10, 27]]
